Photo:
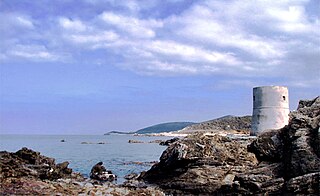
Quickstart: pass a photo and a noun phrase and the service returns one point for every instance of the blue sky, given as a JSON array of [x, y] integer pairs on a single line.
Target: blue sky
[[89, 66]]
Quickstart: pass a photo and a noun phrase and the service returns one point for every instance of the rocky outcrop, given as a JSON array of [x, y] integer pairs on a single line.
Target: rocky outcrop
[[26, 162], [227, 123], [200, 164], [295, 148], [168, 142], [285, 161], [27, 172]]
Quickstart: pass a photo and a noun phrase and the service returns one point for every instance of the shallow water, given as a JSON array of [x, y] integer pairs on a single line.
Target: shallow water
[[116, 154]]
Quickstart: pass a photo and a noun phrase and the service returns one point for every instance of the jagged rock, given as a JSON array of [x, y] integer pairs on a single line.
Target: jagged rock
[[295, 148], [199, 164], [169, 142], [268, 147], [304, 185], [204, 164], [297, 144], [27, 172], [26, 162]]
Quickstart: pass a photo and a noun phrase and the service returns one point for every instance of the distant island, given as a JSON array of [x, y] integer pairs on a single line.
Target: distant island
[[165, 127], [118, 133], [159, 128]]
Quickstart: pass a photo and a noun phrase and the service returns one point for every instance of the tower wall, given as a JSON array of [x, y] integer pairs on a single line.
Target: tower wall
[[270, 108]]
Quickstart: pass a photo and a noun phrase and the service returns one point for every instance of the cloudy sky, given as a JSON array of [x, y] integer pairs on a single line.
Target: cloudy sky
[[91, 66]]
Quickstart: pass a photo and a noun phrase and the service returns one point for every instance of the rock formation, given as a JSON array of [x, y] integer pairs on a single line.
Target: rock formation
[[27, 172], [227, 123], [285, 161], [200, 164], [168, 142], [100, 173]]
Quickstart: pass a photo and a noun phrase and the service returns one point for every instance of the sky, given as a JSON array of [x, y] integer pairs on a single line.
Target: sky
[[93, 66]]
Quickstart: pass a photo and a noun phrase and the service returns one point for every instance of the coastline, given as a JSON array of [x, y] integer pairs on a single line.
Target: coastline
[[199, 164]]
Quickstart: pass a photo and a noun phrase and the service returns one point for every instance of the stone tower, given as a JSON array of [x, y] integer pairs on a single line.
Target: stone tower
[[270, 108]]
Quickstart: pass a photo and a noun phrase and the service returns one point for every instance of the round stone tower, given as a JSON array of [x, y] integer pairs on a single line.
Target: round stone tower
[[270, 108]]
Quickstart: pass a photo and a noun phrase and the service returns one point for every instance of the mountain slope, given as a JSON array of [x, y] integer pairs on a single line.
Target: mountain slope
[[165, 127], [223, 123]]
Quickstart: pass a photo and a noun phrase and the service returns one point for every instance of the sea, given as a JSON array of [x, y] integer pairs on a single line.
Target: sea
[[84, 151]]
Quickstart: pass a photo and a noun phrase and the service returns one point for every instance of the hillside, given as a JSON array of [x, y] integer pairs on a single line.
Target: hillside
[[165, 127], [224, 123], [118, 133]]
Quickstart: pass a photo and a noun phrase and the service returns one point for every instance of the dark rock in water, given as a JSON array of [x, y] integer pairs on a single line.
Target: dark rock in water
[[62, 140], [155, 141], [135, 142], [93, 143], [99, 172], [211, 165], [168, 142]]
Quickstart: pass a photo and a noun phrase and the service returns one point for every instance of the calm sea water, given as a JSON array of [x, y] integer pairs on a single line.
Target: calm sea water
[[117, 154]]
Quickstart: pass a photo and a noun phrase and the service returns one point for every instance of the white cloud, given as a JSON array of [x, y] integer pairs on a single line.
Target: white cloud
[[105, 36], [134, 26], [162, 68], [23, 21], [32, 52], [75, 25], [239, 38], [15, 20], [190, 53], [204, 25]]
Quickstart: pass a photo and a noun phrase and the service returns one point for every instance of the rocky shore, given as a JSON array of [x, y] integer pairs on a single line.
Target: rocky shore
[[284, 161], [27, 172]]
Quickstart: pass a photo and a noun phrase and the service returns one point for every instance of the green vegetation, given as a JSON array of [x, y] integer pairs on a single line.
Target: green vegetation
[[165, 127]]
